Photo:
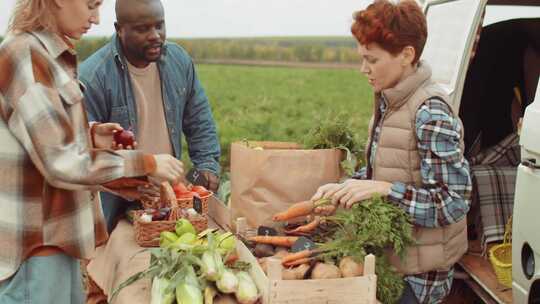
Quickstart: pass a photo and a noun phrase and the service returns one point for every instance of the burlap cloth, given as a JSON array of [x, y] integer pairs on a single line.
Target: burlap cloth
[[115, 262], [118, 260]]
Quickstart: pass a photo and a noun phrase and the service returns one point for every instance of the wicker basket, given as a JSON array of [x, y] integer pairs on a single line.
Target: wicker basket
[[149, 203], [188, 203], [500, 257], [147, 233]]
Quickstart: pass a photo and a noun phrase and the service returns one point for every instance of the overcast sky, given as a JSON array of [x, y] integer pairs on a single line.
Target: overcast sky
[[247, 18]]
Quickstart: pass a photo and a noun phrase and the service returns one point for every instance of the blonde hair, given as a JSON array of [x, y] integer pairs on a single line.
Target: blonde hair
[[32, 15]]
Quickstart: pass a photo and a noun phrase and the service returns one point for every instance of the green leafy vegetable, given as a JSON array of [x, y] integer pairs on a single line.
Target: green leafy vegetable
[[372, 226], [335, 132]]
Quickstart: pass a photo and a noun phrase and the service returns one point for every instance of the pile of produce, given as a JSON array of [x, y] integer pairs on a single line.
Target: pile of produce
[[196, 269], [373, 226], [342, 239], [165, 207], [182, 191]]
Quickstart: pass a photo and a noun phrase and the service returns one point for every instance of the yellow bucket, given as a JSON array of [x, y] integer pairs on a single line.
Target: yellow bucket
[[500, 257]]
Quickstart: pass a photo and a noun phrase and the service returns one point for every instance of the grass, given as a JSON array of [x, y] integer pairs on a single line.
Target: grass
[[281, 104]]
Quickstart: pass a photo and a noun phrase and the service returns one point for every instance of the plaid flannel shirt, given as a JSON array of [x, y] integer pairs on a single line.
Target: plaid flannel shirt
[[444, 197], [49, 170]]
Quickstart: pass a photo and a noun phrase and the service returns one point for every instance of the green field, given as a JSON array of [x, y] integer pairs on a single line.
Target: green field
[[290, 49], [281, 104]]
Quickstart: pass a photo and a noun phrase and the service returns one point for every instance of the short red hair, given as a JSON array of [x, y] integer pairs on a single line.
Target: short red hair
[[392, 26]]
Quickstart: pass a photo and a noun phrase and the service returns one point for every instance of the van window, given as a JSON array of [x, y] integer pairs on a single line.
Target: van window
[[451, 27]]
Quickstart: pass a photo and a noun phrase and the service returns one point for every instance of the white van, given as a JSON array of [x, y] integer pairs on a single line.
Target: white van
[[493, 85]]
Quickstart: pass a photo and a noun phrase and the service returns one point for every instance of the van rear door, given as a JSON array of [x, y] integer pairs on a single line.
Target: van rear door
[[452, 27], [525, 237]]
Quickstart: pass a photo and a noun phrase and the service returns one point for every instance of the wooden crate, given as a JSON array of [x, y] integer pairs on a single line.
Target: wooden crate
[[274, 290], [220, 213]]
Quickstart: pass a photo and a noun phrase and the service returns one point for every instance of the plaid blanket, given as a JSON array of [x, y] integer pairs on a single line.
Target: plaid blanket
[[495, 197], [494, 178], [505, 153]]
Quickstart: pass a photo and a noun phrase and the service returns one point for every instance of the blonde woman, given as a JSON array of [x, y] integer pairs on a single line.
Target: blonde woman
[[52, 162]]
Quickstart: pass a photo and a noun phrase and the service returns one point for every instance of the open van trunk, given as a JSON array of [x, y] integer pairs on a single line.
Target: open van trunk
[[492, 81], [501, 81]]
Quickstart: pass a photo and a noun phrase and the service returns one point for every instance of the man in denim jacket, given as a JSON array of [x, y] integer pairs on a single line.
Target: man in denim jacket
[[142, 82]]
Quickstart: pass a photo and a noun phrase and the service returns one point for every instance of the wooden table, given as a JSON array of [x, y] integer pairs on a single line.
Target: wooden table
[[122, 257]]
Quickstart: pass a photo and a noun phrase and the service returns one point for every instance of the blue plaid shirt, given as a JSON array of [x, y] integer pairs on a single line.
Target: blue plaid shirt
[[444, 197]]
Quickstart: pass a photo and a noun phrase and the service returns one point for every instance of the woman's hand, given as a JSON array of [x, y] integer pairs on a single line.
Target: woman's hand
[[352, 191], [326, 191], [103, 134], [355, 191]]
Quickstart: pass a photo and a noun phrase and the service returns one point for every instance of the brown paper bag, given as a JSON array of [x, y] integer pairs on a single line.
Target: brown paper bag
[[267, 181]]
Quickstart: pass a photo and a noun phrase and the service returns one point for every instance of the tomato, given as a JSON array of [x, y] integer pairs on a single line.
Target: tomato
[[200, 190], [180, 189]]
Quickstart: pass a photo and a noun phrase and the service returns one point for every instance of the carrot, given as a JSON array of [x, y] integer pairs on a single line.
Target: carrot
[[284, 241], [296, 210], [299, 209], [305, 229], [298, 262], [296, 256]]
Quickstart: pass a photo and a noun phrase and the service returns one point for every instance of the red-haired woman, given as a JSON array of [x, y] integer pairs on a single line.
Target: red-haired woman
[[415, 148]]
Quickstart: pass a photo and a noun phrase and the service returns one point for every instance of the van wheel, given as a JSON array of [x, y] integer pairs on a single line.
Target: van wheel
[[534, 293]]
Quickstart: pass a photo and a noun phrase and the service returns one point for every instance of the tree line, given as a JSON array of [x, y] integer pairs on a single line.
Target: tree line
[[320, 50], [299, 49]]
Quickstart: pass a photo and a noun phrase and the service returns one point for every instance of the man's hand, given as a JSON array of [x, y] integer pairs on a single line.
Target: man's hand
[[168, 168], [352, 191], [213, 180], [103, 134]]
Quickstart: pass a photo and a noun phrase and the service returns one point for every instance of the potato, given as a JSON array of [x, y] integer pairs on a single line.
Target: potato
[[263, 262], [350, 268], [280, 250], [288, 274], [280, 254], [325, 271], [301, 271], [264, 250]]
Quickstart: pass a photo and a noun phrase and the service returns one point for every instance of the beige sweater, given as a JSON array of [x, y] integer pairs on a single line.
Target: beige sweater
[[153, 134]]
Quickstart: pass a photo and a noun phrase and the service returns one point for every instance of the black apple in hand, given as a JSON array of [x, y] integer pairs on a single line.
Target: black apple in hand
[[125, 138]]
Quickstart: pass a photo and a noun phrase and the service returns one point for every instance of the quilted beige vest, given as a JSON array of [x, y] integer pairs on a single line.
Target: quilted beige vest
[[397, 159]]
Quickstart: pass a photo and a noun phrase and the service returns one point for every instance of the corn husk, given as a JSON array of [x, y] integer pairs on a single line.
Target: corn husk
[[247, 290], [212, 265], [158, 294], [209, 294], [189, 290], [228, 283]]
